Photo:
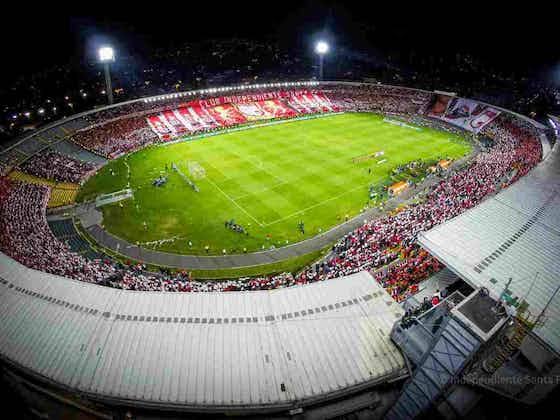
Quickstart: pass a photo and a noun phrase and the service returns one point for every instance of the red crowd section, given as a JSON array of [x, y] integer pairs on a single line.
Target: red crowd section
[[386, 246]]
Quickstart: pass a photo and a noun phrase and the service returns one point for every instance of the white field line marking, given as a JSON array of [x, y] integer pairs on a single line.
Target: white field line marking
[[264, 169], [315, 205], [234, 202], [280, 180]]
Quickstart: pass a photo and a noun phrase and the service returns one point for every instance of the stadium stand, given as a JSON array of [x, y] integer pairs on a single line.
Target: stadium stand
[[330, 338], [62, 228], [61, 193], [12, 157], [72, 150], [198, 116], [116, 137], [30, 146], [511, 236], [27, 237], [57, 167], [30, 179], [65, 232], [49, 134], [375, 244]]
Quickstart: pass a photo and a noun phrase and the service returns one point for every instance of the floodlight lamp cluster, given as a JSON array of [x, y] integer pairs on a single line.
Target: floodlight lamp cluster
[[321, 48], [106, 54]]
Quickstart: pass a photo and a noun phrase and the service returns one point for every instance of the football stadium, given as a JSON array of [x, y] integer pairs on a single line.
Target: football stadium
[[265, 180], [304, 249]]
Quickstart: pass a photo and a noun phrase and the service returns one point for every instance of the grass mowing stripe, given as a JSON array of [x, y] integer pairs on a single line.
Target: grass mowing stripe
[[314, 206], [264, 179], [234, 202], [261, 191]]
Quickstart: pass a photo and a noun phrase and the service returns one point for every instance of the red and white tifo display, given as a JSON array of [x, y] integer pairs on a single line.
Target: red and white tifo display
[[227, 111]]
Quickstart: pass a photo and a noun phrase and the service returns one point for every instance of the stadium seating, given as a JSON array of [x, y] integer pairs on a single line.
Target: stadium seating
[[386, 246], [62, 196], [61, 193], [115, 132], [116, 137], [3, 169], [65, 232], [30, 179], [55, 166]]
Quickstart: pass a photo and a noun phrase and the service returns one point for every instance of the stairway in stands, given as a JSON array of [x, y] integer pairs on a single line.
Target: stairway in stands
[[65, 232]]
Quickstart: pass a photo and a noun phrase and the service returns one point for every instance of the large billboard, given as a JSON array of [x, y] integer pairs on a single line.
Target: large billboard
[[465, 113]]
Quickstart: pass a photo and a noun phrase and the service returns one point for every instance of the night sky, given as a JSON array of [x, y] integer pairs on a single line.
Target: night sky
[[512, 38]]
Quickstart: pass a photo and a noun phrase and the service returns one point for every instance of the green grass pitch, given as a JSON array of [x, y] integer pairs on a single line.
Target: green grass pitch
[[266, 179]]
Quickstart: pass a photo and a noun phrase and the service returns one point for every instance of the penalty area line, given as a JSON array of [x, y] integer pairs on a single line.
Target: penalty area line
[[315, 205], [234, 202]]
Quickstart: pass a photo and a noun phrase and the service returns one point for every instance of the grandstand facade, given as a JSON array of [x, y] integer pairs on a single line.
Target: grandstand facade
[[254, 345]]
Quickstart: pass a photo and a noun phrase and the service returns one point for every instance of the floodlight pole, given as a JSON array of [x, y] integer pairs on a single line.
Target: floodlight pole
[[321, 48], [108, 87]]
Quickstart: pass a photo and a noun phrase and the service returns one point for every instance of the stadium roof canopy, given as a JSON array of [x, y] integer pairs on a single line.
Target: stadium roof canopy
[[199, 350], [513, 235]]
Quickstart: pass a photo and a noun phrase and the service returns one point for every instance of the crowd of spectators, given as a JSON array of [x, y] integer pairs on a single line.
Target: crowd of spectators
[[118, 130], [411, 314], [387, 241], [26, 237], [379, 98], [376, 243], [170, 102], [116, 137], [402, 278], [123, 129], [58, 167]]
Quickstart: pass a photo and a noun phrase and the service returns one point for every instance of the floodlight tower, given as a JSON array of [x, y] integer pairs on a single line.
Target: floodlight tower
[[106, 56], [321, 48]]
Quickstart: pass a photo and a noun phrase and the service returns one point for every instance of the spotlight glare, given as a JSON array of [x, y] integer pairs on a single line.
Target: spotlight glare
[[106, 54], [321, 47]]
